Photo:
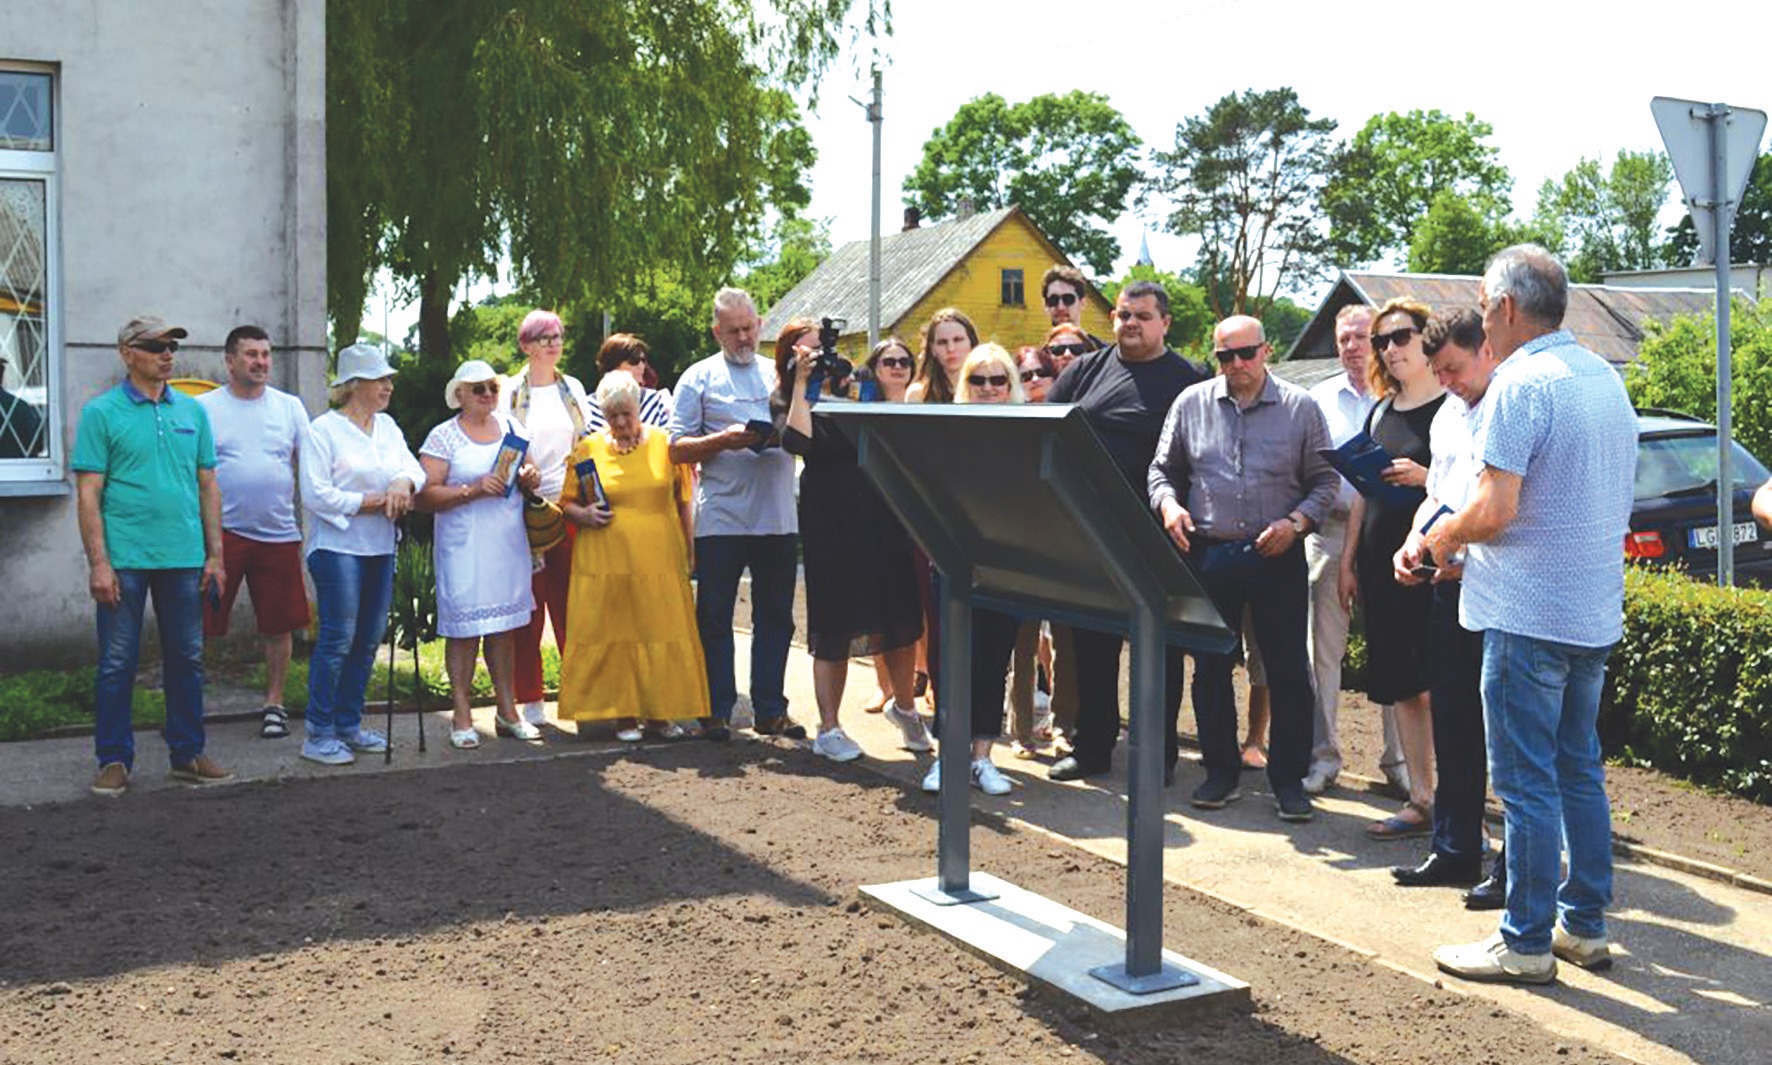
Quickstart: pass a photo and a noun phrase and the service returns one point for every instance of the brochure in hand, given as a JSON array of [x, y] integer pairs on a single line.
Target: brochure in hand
[[510, 460], [767, 436], [590, 486], [1363, 460]]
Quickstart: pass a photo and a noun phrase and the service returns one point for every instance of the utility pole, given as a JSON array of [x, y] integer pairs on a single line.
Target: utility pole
[[875, 117]]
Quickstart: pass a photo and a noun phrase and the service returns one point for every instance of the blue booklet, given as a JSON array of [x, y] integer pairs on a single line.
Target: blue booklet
[[590, 486], [510, 460], [1363, 460]]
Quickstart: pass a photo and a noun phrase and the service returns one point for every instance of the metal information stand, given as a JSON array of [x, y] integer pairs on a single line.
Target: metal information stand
[[1022, 510]]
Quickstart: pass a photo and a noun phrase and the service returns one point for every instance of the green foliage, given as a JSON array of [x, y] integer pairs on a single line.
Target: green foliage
[[1455, 237], [34, 702], [1396, 168], [670, 314], [1283, 320], [1676, 368], [431, 669], [1689, 688], [580, 138], [1607, 218], [1750, 237], [1190, 320], [1245, 178], [1068, 161], [797, 247]]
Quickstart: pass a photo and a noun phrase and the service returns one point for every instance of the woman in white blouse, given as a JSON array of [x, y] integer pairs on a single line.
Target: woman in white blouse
[[481, 547], [554, 414], [358, 477]]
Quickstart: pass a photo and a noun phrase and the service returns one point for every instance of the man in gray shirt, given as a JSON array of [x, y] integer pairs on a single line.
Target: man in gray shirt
[[1238, 480], [744, 516]]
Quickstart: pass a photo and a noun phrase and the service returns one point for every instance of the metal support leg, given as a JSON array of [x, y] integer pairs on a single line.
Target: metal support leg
[[954, 696], [1143, 971]]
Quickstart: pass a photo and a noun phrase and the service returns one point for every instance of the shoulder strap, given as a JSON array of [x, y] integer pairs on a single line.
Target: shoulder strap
[[1376, 413]]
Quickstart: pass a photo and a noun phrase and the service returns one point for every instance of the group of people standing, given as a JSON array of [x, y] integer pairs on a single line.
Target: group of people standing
[[1487, 562]]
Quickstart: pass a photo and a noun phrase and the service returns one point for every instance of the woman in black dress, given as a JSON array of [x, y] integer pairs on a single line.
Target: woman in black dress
[[861, 591], [1396, 615]]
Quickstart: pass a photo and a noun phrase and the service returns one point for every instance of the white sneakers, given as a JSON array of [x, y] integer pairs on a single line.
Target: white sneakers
[[1318, 780], [1590, 954], [910, 726], [1492, 960], [986, 777], [835, 744]]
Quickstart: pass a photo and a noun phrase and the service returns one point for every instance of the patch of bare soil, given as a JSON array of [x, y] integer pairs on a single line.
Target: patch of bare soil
[[690, 904]]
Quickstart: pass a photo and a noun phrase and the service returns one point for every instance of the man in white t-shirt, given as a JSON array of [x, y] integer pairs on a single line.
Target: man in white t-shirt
[[258, 431]]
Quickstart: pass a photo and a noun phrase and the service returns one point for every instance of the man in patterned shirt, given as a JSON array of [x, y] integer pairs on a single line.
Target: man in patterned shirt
[[1544, 583]]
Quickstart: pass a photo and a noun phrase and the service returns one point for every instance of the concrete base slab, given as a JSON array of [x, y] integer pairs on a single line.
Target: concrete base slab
[[1054, 948]]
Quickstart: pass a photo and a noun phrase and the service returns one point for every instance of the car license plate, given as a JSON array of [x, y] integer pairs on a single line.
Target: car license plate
[[1705, 536]]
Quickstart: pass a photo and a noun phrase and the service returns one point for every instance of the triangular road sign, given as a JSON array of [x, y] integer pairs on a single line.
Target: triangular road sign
[[1685, 129]]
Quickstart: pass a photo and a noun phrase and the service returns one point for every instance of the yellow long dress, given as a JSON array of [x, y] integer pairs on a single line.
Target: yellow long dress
[[632, 648]]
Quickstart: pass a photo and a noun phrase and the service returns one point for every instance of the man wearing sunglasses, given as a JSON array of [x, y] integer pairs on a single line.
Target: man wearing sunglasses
[[1238, 480], [150, 519], [1124, 391], [1064, 289]]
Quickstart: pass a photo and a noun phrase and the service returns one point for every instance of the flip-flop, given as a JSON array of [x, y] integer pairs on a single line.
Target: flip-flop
[[275, 724], [1254, 758], [1397, 826]]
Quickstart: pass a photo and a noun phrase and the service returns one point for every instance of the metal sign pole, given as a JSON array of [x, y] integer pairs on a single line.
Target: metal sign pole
[[953, 871], [1721, 216]]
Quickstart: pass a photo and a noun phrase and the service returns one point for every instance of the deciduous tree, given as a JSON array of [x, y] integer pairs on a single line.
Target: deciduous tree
[[1245, 179], [1750, 238], [586, 141], [1069, 161], [1607, 218], [1389, 176], [1676, 368]]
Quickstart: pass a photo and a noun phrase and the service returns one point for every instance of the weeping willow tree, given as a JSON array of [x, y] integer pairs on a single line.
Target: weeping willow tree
[[592, 142]]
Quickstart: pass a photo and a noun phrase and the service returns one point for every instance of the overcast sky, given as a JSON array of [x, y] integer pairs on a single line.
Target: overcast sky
[[1558, 80]]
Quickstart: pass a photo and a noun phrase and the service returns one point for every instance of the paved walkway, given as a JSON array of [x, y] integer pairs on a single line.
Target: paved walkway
[[1692, 982]]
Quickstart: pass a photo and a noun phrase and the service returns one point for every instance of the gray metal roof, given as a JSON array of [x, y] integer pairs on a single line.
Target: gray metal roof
[[1606, 319], [1305, 372], [911, 263]]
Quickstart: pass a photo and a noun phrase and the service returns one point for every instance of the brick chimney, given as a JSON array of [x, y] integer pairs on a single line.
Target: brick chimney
[[912, 219], [967, 209]]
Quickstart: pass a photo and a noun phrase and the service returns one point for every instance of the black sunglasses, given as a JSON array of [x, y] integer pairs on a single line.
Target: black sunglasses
[[1067, 349], [1064, 298], [155, 347], [1226, 356], [895, 362], [1399, 337], [1027, 376], [481, 388], [996, 380]]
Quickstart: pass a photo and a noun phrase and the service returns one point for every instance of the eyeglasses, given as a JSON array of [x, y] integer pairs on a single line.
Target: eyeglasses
[[482, 388], [550, 339], [1059, 350], [1027, 376], [1064, 299], [155, 347], [996, 380], [1226, 356], [1399, 337], [895, 362]]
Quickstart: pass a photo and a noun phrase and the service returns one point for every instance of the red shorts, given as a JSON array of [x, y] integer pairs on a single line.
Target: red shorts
[[272, 573]]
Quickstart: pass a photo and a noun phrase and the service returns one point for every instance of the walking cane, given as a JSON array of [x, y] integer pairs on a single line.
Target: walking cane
[[387, 754]]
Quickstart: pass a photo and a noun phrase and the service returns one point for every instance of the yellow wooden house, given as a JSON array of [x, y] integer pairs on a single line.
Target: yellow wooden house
[[988, 265]]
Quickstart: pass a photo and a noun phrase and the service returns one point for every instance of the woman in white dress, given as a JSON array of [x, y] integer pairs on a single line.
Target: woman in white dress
[[481, 548]]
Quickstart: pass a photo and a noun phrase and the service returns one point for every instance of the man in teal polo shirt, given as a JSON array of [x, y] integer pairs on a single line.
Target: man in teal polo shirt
[[150, 518]]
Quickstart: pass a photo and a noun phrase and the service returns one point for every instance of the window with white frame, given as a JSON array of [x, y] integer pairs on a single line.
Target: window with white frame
[[29, 337]]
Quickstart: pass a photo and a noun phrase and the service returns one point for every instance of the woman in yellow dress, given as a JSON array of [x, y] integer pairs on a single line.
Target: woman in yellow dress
[[632, 652]]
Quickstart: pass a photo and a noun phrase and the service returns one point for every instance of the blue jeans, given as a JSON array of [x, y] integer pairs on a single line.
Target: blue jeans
[[178, 606], [354, 592], [719, 561], [1541, 700]]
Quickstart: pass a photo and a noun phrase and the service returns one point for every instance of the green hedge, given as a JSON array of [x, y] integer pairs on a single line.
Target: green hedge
[[35, 702], [1689, 688], [436, 677]]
